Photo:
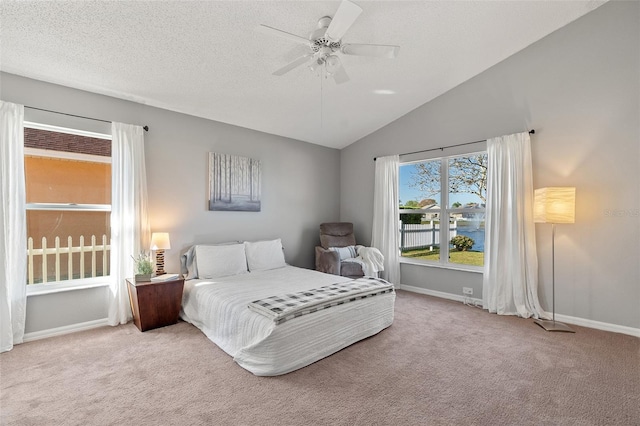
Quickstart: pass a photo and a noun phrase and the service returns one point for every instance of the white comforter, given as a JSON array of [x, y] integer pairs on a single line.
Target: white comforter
[[219, 309]]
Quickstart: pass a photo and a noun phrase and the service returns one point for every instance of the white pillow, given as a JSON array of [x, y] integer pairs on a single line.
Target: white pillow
[[263, 255], [220, 261], [348, 252]]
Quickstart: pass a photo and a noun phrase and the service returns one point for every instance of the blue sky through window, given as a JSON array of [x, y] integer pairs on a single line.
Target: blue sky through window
[[408, 193]]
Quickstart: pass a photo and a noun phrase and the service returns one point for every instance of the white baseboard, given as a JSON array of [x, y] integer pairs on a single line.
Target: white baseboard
[[598, 325], [440, 294], [58, 331]]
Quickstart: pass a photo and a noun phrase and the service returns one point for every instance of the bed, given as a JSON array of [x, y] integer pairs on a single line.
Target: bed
[[223, 281]]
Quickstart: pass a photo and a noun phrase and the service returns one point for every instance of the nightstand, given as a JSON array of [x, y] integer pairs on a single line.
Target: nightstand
[[155, 303]]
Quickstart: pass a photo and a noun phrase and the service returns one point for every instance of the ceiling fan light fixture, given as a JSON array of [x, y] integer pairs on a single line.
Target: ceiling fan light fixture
[[384, 92], [332, 63], [316, 64]]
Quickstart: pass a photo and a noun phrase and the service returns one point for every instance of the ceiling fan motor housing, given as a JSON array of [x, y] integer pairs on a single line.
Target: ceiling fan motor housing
[[324, 22], [319, 41]]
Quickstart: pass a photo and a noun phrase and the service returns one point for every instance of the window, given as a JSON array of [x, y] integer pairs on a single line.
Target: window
[[68, 210], [443, 200]]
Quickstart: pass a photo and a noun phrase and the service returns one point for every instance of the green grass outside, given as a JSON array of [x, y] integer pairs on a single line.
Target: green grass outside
[[474, 258]]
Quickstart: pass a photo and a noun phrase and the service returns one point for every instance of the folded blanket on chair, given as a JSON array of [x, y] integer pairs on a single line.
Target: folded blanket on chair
[[372, 260], [285, 307]]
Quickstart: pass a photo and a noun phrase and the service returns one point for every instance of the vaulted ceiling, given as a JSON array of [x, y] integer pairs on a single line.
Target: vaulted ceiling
[[205, 58]]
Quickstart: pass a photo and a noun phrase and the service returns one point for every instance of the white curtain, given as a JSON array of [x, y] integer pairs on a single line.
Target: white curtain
[[510, 282], [13, 227], [386, 216], [129, 221]]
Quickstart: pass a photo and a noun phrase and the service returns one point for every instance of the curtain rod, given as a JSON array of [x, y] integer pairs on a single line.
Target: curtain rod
[[146, 128], [531, 132]]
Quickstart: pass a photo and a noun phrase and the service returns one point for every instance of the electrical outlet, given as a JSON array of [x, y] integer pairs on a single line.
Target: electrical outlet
[[467, 290]]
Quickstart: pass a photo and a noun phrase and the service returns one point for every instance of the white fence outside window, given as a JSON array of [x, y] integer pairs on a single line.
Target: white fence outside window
[[423, 235], [96, 252]]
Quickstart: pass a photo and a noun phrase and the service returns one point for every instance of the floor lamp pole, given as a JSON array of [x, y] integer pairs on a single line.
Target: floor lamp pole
[[546, 324], [553, 272]]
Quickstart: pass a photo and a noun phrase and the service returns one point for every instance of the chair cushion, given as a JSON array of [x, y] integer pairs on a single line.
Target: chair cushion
[[351, 269]]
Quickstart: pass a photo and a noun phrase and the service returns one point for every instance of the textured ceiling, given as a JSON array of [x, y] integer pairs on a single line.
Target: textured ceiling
[[205, 58]]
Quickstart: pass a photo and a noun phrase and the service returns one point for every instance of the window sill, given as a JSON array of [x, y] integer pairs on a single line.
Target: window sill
[[455, 267], [59, 287]]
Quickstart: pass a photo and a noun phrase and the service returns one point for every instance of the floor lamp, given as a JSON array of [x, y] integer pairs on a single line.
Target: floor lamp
[[554, 205], [160, 242]]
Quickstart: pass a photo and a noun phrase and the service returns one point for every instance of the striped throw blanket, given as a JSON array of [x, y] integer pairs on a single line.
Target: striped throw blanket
[[287, 306]]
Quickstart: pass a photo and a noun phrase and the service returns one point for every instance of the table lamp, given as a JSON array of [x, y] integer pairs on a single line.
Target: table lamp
[[160, 242]]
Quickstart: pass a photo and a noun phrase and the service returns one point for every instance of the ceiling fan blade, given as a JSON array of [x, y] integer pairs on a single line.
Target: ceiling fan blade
[[345, 16], [294, 53], [295, 64], [377, 50], [340, 76], [276, 32]]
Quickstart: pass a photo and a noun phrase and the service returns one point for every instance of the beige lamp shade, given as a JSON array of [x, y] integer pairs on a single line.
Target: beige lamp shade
[[160, 241], [555, 205]]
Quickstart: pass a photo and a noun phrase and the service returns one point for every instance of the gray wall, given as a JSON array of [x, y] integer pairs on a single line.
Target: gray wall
[[579, 89], [301, 183]]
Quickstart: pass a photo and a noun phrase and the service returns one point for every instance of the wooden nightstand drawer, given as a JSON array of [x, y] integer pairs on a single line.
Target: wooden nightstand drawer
[[155, 304]]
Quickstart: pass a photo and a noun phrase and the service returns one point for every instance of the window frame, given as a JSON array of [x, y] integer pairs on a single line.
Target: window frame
[[444, 213], [80, 283]]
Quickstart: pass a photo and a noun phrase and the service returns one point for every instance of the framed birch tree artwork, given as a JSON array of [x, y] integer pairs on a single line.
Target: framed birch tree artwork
[[234, 183]]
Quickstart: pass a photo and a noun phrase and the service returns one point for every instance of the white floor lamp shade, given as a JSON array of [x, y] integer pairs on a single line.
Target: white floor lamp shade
[[160, 242], [554, 205]]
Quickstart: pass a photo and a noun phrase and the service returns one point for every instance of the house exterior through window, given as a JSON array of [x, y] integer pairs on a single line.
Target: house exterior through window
[[442, 210], [68, 190]]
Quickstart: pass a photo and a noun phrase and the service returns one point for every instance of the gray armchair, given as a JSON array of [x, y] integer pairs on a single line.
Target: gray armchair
[[338, 234]]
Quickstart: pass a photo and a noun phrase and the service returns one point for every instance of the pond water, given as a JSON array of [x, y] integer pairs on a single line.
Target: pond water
[[476, 234]]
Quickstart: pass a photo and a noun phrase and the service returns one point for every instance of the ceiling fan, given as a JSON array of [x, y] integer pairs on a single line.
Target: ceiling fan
[[324, 45]]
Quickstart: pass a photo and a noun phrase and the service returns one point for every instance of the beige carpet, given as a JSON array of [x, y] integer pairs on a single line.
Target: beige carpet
[[440, 363]]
